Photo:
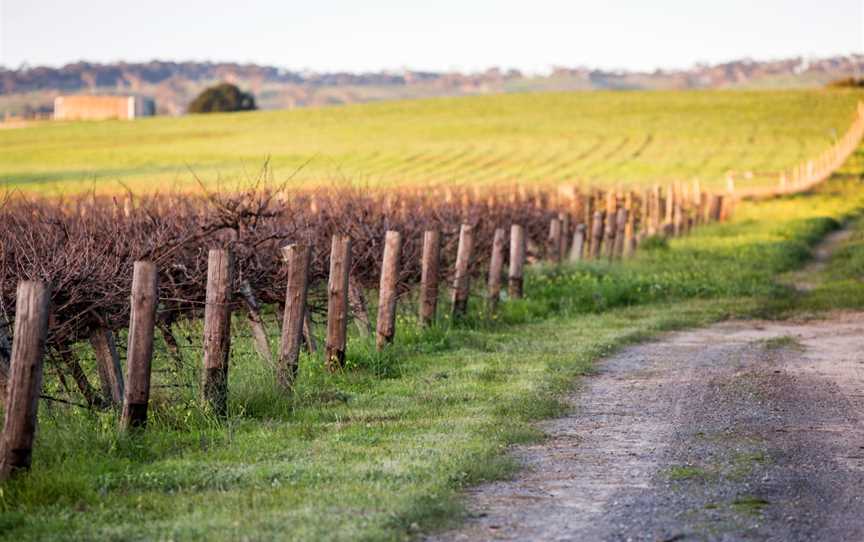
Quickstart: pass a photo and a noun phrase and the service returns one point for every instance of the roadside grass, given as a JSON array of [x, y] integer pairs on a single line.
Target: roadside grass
[[596, 138], [381, 450], [840, 285]]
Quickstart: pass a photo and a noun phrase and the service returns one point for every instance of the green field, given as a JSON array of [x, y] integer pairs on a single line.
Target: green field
[[593, 138]]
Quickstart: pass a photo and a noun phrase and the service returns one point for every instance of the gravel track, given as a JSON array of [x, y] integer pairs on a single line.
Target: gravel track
[[740, 431]]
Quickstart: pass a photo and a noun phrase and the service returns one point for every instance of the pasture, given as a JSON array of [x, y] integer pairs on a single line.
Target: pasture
[[599, 139]]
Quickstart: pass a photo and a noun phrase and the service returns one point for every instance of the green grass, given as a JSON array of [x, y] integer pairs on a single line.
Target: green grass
[[685, 472], [783, 342], [598, 138], [840, 285], [382, 450], [748, 504]]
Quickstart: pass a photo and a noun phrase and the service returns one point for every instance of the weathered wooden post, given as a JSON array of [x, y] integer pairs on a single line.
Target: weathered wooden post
[[726, 205], [461, 283], [669, 208], [553, 245], [357, 303], [611, 225], [139, 350], [386, 324], [578, 243], [677, 216], [565, 235], [635, 219], [298, 258], [620, 227], [217, 329], [25, 377], [597, 235], [256, 322], [589, 222], [108, 365], [714, 208], [429, 276], [515, 281], [337, 302], [496, 265]]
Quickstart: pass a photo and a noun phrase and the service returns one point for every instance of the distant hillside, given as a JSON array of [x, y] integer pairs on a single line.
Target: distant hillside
[[30, 91]]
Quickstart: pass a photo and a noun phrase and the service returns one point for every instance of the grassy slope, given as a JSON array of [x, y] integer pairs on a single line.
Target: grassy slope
[[597, 137], [382, 450]]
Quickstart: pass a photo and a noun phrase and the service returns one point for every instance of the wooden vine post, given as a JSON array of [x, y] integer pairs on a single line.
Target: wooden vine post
[[597, 235], [108, 366], [256, 322], [515, 281], [386, 324], [25, 377], [337, 302], [496, 265], [588, 221], [429, 276], [139, 351], [357, 303], [611, 226], [461, 283], [565, 235], [217, 329], [297, 258], [553, 246], [578, 243], [620, 231]]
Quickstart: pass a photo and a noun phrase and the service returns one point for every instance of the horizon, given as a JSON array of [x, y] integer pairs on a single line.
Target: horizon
[[504, 68], [674, 35]]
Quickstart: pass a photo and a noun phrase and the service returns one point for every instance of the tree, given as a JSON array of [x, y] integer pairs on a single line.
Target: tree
[[222, 97], [847, 82]]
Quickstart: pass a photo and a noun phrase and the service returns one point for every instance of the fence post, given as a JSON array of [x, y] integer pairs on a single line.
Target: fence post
[[108, 365], [588, 220], [630, 235], [496, 264], [298, 258], [256, 322], [25, 377], [337, 302], [515, 282], [357, 303], [669, 210], [578, 243], [386, 324], [217, 329], [597, 235], [553, 246], [429, 276], [461, 283], [309, 333], [565, 235], [611, 225], [139, 351], [620, 230]]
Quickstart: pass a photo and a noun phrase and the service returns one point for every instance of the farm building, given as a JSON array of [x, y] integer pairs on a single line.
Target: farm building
[[102, 107]]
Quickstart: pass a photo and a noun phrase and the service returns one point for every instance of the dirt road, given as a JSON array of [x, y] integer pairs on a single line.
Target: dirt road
[[741, 431]]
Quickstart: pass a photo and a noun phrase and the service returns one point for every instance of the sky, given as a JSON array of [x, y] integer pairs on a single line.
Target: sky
[[465, 35]]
